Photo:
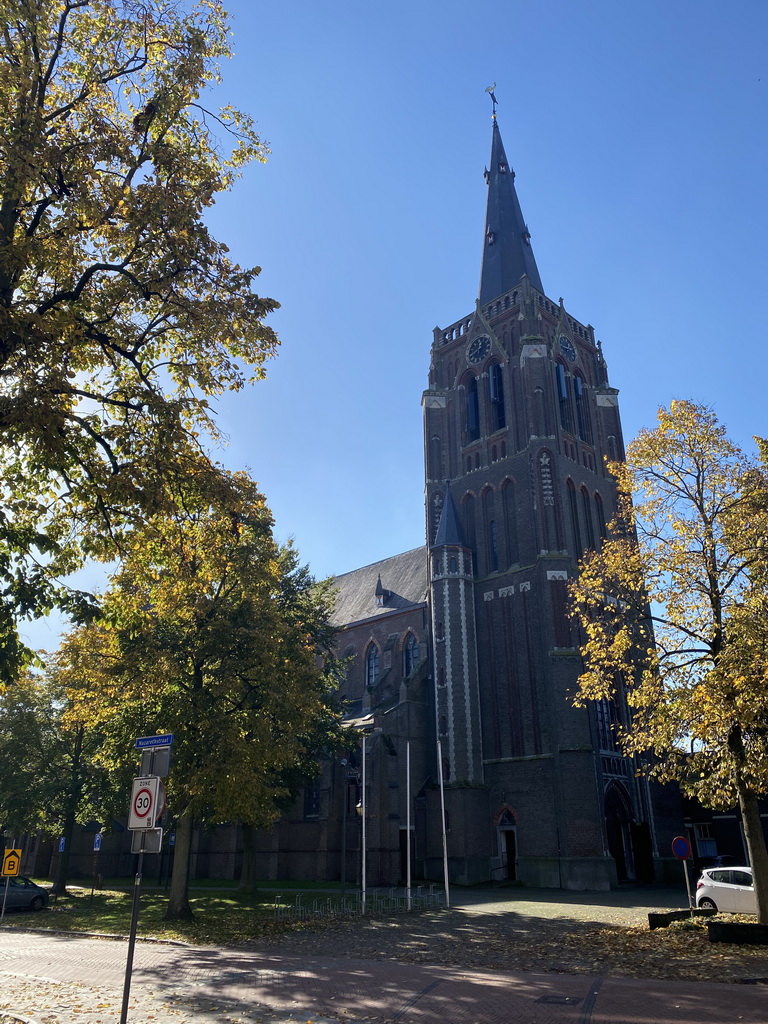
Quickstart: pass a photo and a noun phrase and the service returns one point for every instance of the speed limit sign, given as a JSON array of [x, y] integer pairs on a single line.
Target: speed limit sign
[[145, 809]]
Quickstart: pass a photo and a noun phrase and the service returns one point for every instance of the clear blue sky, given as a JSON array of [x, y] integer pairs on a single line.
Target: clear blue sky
[[638, 133]]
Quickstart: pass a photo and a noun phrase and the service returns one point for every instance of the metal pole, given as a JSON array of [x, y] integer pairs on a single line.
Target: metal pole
[[132, 937], [5, 896], [442, 823], [362, 866], [688, 886], [345, 799], [408, 820]]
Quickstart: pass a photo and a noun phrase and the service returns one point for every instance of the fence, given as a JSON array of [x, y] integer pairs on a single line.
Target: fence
[[309, 906]]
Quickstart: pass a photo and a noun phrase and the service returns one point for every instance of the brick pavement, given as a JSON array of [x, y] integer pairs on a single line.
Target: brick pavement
[[170, 980]]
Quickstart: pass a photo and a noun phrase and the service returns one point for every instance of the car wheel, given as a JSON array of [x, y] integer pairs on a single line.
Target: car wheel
[[37, 903], [707, 904]]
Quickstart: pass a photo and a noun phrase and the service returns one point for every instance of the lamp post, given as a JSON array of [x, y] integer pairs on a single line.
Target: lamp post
[[362, 811], [442, 815], [408, 821]]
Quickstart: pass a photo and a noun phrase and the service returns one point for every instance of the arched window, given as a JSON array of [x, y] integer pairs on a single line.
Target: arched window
[[600, 512], [582, 410], [587, 509], [473, 411], [510, 521], [491, 559], [496, 394], [470, 528], [435, 458], [372, 665], [563, 398], [411, 654], [573, 508]]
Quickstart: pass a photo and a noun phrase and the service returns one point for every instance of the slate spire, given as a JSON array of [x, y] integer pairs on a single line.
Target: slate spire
[[449, 531], [507, 253]]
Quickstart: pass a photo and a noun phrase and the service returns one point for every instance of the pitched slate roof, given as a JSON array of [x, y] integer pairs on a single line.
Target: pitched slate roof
[[403, 577]]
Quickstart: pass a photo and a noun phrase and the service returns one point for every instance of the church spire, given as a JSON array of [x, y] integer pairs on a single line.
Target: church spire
[[507, 253]]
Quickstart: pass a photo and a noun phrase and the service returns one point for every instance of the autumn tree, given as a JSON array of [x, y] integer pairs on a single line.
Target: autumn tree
[[673, 609], [120, 314], [53, 780], [214, 632]]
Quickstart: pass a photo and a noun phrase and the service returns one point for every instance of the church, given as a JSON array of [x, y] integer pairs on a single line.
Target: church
[[462, 660]]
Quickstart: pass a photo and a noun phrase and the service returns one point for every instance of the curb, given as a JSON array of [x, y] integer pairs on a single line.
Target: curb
[[151, 940]]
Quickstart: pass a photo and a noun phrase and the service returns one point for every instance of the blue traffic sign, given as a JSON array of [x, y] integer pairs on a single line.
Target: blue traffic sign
[[681, 848], [155, 741], [97, 842], [62, 844]]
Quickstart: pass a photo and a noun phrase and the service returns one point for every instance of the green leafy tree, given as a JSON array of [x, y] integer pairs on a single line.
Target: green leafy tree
[[673, 611], [215, 633], [120, 314], [55, 781]]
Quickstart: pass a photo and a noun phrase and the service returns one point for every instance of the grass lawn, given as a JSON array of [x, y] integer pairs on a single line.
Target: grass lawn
[[221, 916]]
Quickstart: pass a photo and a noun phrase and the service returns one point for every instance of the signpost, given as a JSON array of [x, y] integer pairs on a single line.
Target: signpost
[[682, 850], [11, 867], [145, 806], [11, 862], [145, 810], [96, 852]]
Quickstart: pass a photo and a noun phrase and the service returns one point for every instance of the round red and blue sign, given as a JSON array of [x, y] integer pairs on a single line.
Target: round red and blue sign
[[681, 848]]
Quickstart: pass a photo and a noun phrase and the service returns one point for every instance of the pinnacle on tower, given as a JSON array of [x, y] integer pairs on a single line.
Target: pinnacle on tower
[[507, 253], [449, 531]]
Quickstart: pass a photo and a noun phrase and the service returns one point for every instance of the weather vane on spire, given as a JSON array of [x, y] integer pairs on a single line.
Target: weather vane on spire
[[492, 94]]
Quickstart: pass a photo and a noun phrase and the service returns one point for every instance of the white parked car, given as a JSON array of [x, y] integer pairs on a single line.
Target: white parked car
[[727, 889]]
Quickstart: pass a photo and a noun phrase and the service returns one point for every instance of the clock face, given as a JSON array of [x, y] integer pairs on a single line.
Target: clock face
[[566, 347], [479, 349]]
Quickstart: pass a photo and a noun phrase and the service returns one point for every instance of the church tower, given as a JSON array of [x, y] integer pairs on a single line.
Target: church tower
[[519, 420]]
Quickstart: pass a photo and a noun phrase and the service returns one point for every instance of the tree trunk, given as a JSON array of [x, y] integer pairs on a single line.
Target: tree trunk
[[247, 873], [758, 852], [59, 887], [179, 908]]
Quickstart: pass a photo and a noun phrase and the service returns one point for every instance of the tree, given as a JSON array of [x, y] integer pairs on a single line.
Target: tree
[[120, 314], [53, 781], [673, 612], [213, 632]]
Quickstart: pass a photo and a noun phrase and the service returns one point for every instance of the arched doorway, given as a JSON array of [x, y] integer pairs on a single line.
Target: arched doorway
[[618, 822], [507, 832]]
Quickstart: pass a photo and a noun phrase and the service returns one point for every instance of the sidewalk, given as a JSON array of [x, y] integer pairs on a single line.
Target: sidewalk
[[175, 984]]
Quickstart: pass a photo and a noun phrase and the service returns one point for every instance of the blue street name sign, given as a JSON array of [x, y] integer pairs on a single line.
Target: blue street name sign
[[155, 741]]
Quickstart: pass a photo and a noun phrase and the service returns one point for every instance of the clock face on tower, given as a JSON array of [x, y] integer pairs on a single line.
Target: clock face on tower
[[478, 350], [566, 347]]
